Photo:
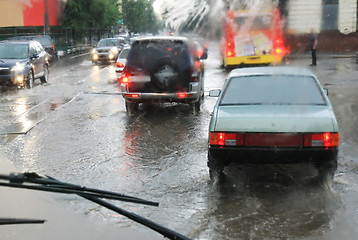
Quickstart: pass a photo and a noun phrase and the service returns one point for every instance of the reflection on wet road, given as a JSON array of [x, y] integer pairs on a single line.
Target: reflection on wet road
[[86, 137]]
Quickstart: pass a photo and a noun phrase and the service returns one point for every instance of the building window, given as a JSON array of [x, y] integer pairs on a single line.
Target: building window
[[329, 15]]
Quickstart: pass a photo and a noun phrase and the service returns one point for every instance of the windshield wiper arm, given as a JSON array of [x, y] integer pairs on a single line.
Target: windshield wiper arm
[[53, 185], [9, 221], [36, 182]]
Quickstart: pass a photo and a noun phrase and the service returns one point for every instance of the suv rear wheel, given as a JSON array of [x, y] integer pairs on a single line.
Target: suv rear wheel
[[196, 105], [131, 107]]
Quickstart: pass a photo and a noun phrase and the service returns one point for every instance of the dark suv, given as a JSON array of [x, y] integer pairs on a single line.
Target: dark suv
[[21, 62], [163, 69], [45, 41]]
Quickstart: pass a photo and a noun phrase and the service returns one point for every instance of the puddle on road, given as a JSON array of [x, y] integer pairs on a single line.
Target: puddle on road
[[27, 118], [267, 207]]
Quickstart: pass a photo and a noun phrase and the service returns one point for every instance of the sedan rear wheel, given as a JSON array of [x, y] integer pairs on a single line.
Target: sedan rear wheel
[[326, 171], [30, 79], [216, 169]]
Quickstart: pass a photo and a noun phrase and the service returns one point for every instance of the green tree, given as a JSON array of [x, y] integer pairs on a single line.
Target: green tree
[[84, 14], [139, 16]]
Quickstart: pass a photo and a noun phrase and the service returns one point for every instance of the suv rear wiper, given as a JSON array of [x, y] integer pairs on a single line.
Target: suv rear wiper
[[30, 180]]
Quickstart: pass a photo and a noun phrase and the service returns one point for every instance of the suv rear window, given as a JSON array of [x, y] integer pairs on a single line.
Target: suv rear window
[[146, 55]]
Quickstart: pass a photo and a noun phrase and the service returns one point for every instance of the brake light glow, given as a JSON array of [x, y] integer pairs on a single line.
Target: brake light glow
[[274, 139], [132, 95], [119, 64], [226, 139], [322, 139], [230, 49], [124, 79], [182, 95]]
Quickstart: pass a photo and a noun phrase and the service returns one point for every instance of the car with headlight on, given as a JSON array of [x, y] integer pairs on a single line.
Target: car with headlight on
[[273, 115], [107, 49], [21, 62], [46, 42]]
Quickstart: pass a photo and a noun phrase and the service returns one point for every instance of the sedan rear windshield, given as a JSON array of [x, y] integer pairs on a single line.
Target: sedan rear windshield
[[108, 43], [124, 53], [14, 51], [273, 90]]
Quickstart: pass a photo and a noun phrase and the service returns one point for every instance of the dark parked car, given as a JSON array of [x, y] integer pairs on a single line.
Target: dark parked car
[[21, 62], [45, 41], [163, 69]]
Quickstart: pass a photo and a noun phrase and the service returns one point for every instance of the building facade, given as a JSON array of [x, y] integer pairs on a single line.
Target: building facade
[[25, 13], [321, 15]]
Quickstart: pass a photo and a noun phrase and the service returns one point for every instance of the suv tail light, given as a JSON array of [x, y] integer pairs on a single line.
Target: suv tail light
[[131, 95], [125, 78], [184, 95]]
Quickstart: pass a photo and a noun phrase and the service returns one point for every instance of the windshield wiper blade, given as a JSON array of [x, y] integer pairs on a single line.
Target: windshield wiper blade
[[54, 185], [9, 221], [34, 181]]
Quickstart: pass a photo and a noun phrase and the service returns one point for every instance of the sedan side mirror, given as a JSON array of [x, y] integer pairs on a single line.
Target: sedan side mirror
[[205, 54], [325, 91], [214, 93]]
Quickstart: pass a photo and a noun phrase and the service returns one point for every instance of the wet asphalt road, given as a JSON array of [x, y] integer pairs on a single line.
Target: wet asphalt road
[[76, 129]]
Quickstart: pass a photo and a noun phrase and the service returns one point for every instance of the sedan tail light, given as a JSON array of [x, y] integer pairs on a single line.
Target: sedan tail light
[[321, 140], [119, 64], [274, 139], [226, 139]]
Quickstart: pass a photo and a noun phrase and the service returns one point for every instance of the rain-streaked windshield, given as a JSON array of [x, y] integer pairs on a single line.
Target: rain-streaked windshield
[[108, 42], [124, 53], [255, 22], [14, 51], [275, 90]]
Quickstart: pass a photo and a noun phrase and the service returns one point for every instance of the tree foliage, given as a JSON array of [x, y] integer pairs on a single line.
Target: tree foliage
[[139, 16], [84, 14]]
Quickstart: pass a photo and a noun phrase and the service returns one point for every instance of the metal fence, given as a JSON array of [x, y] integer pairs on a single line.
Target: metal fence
[[66, 39]]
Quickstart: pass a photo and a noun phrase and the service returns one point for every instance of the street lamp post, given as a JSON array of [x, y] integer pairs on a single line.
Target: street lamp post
[[46, 19]]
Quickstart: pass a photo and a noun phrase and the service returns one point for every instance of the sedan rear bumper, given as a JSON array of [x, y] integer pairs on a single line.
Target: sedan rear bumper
[[270, 155]]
